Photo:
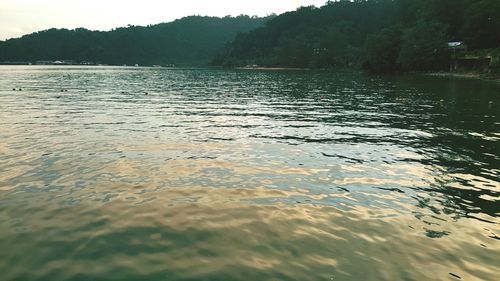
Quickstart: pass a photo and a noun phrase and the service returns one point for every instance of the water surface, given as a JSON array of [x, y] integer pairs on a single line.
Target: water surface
[[111, 173]]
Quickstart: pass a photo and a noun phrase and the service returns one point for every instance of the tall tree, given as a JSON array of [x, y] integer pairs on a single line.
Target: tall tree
[[424, 47], [382, 51], [481, 27]]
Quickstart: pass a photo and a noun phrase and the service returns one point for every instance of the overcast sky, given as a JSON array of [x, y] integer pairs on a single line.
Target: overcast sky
[[19, 17]]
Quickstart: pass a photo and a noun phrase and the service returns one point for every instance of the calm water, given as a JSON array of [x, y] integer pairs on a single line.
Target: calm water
[[247, 175]]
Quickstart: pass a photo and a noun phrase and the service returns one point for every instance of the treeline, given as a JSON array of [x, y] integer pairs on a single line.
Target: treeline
[[192, 40], [378, 35]]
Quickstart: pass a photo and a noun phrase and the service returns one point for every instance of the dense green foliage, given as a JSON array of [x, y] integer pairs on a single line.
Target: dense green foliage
[[423, 47], [379, 35], [189, 41]]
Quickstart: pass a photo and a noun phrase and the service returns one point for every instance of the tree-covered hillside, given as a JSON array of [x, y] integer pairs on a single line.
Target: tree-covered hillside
[[189, 41], [380, 35]]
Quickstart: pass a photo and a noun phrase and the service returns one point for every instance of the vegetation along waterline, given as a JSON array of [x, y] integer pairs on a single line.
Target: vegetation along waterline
[[379, 36], [190, 41]]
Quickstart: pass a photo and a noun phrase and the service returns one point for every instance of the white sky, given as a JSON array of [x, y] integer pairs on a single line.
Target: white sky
[[19, 17]]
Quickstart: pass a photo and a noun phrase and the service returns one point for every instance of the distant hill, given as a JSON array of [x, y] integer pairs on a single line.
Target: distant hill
[[379, 35], [191, 40]]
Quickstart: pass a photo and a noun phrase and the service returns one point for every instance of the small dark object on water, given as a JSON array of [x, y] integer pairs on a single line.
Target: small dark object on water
[[20, 89], [456, 276], [13, 89], [146, 93]]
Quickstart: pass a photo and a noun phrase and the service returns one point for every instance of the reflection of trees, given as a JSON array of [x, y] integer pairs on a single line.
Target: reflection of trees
[[439, 119]]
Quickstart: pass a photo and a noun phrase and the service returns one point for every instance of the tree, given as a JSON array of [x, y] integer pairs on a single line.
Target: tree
[[423, 47], [481, 27], [382, 51]]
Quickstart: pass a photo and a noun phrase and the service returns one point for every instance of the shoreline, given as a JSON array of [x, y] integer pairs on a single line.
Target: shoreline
[[270, 68], [466, 75]]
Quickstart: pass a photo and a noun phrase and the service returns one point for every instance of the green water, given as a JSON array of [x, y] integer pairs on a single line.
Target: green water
[[246, 175]]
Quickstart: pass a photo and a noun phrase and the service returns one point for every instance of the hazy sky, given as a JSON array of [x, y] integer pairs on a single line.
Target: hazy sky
[[19, 17]]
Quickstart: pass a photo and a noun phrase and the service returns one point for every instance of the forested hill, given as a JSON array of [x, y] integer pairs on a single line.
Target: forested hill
[[188, 41], [380, 35]]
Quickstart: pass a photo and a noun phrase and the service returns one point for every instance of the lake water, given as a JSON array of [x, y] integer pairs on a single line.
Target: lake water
[[247, 175]]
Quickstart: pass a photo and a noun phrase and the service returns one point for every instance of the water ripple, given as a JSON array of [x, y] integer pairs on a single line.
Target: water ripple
[[246, 175]]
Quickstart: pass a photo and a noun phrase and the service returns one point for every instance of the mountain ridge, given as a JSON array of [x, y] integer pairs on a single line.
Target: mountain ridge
[[192, 40]]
